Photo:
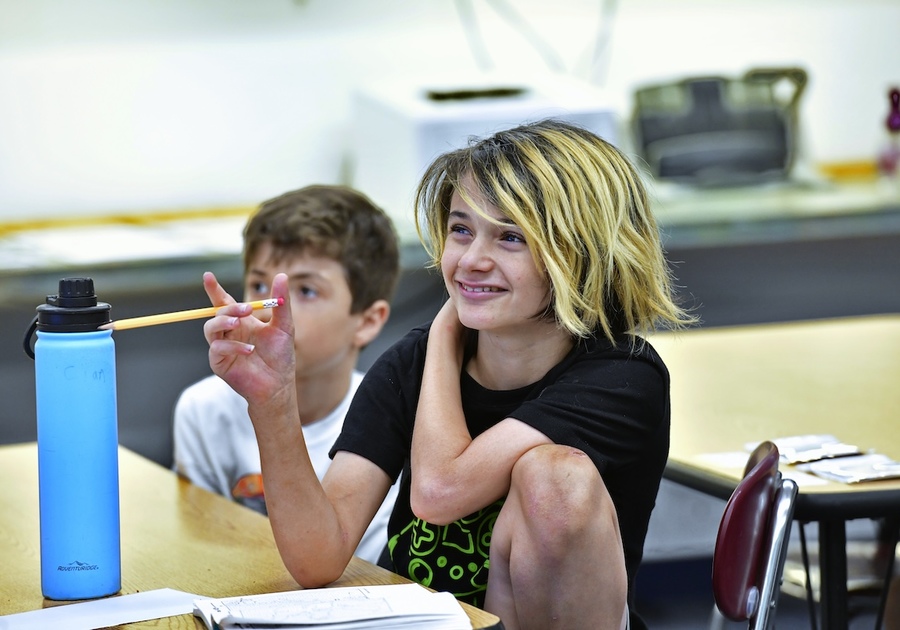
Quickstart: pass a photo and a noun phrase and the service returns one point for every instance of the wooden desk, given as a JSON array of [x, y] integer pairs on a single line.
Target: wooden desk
[[736, 385], [174, 535]]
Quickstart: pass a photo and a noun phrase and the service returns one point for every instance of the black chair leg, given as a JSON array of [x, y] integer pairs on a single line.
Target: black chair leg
[[891, 532], [810, 600]]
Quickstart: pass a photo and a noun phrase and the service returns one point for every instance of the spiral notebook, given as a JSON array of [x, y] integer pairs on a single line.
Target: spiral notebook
[[347, 608]]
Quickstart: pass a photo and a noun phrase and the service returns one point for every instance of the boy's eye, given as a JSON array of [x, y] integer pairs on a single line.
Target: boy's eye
[[308, 292], [259, 288]]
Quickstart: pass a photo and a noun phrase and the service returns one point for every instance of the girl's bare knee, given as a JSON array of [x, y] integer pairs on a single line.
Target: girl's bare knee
[[561, 494]]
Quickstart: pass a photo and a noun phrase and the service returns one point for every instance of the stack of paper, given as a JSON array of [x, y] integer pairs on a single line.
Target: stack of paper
[[797, 449], [829, 458], [349, 608], [855, 469]]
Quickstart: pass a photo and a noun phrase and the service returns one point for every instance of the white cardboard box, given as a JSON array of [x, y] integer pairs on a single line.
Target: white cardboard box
[[399, 128]]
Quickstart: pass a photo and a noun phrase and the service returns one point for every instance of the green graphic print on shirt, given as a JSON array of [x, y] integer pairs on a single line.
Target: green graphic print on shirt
[[453, 558]]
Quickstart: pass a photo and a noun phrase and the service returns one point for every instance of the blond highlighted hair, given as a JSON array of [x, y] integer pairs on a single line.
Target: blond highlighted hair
[[583, 209]]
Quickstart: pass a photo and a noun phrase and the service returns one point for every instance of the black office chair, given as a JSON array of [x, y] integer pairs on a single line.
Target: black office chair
[[751, 545]]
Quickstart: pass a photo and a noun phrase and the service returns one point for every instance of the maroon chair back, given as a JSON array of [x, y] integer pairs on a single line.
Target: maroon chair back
[[740, 557]]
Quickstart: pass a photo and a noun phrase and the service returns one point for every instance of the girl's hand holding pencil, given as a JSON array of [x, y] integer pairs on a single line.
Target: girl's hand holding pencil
[[256, 357]]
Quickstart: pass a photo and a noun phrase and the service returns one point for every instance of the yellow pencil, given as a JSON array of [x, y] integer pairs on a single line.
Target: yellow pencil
[[181, 316]]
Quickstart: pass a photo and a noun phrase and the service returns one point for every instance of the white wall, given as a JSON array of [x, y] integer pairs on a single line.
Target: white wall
[[110, 106]]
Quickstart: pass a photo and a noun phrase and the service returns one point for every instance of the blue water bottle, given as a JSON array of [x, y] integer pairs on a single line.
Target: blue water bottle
[[77, 435]]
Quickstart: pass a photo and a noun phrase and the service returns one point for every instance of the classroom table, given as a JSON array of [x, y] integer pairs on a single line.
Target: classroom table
[[734, 386], [173, 535]]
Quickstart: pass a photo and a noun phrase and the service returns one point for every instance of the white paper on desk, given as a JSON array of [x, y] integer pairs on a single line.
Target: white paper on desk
[[100, 613], [802, 479], [798, 449], [872, 467]]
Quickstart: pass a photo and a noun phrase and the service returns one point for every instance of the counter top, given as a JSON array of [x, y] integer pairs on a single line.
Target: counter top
[[131, 254], [780, 211], [121, 253]]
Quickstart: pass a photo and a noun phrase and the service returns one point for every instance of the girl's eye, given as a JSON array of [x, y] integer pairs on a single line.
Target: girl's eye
[[457, 228], [512, 237]]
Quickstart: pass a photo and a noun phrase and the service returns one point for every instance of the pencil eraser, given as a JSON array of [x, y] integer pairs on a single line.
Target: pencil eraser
[[280, 301]]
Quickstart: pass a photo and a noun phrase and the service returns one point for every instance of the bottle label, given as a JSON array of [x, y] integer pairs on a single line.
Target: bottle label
[[78, 566]]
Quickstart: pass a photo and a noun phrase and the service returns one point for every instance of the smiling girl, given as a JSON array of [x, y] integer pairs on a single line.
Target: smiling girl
[[528, 423]]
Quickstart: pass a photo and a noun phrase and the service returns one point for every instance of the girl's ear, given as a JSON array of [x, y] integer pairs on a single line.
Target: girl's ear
[[371, 322]]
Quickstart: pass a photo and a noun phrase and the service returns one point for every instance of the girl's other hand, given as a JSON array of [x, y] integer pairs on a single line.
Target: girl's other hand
[[447, 331]]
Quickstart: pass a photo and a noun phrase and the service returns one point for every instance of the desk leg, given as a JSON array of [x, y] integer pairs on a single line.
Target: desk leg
[[833, 574]]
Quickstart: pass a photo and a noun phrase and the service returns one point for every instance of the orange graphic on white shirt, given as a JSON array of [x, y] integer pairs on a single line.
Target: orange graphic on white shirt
[[248, 487]]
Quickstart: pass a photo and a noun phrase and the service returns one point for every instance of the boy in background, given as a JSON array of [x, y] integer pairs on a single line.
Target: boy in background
[[341, 255]]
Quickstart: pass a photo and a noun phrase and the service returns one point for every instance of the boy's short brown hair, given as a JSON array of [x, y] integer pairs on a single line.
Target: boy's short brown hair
[[335, 222]]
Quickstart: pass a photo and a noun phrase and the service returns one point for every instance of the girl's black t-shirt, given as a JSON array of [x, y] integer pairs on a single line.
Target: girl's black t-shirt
[[611, 401]]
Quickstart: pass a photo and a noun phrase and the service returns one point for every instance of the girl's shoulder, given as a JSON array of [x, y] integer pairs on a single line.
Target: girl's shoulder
[[626, 350]]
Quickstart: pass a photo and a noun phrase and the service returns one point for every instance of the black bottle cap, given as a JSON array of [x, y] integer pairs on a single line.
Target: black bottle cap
[[74, 309]]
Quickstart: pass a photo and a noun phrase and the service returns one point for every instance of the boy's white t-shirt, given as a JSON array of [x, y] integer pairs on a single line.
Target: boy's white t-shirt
[[216, 449]]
